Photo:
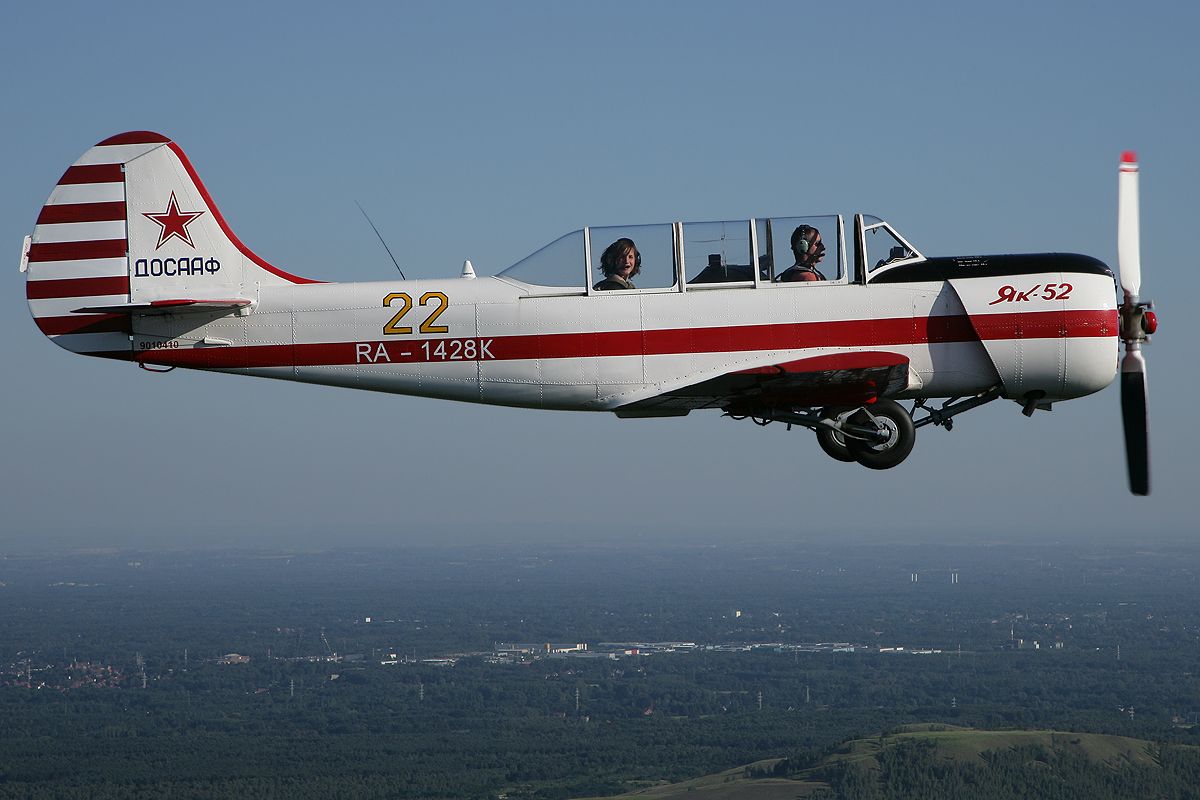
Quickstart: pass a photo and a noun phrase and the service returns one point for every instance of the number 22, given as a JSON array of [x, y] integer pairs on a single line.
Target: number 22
[[393, 327]]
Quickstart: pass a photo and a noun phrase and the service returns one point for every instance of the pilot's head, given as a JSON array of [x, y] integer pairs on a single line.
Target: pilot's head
[[807, 245], [621, 258]]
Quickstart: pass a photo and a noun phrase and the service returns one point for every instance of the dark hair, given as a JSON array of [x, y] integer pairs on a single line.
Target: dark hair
[[801, 231], [616, 251]]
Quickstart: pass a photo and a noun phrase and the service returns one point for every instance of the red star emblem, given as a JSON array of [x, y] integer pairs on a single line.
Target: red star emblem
[[174, 223]]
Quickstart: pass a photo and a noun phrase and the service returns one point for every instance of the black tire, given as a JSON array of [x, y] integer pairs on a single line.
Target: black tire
[[891, 416], [831, 441]]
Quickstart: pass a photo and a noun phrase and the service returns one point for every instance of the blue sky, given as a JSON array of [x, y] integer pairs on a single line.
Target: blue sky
[[484, 131]]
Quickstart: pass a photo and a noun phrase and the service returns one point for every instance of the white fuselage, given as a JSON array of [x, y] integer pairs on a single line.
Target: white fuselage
[[501, 343]]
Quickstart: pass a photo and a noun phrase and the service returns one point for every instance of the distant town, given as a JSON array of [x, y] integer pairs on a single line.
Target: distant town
[[30, 673]]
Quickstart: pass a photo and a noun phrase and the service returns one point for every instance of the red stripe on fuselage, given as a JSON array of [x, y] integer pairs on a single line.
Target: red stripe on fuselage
[[78, 251], [85, 323], [743, 338], [82, 212], [77, 287]]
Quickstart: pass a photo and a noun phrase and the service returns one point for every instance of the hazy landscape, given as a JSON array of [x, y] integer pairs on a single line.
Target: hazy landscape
[[774, 670]]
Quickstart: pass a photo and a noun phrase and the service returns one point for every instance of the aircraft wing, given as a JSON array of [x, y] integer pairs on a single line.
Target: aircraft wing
[[839, 379]]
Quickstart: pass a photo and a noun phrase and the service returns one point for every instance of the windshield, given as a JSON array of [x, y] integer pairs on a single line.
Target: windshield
[[884, 247], [560, 263]]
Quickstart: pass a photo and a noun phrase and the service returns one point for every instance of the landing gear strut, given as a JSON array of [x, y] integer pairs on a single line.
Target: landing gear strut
[[878, 436], [830, 436]]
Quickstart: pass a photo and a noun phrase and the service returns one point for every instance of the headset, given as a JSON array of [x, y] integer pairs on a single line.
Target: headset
[[800, 244]]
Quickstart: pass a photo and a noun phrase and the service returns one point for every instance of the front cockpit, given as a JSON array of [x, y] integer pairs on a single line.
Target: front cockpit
[[689, 256]]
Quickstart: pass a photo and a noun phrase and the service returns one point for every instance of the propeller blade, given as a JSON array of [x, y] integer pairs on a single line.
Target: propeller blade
[[1129, 259], [1137, 421]]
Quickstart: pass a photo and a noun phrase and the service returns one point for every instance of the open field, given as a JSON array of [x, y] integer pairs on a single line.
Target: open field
[[951, 743], [732, 784]]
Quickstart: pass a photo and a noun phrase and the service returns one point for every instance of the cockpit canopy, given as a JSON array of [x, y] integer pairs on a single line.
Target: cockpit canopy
[[724, 254]]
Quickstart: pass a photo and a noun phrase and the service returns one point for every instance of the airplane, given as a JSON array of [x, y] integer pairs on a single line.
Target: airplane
[[130, 259]]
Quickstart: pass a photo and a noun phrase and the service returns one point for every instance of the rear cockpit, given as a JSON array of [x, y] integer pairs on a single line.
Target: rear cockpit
[[773, 252]]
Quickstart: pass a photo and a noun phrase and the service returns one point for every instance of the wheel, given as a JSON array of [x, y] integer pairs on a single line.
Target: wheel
[[831, 441], [890, 417]]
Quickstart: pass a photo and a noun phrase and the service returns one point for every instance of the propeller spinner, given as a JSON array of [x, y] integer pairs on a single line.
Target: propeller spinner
[[1137, 323]]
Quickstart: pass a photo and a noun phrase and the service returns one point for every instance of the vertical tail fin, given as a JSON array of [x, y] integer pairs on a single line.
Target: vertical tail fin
[[130, 226]]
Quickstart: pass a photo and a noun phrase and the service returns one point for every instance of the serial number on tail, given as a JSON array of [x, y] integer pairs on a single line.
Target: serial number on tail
[[161, 344]]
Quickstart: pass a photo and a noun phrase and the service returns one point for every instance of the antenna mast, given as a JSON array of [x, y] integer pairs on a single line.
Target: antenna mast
[[381, 241]]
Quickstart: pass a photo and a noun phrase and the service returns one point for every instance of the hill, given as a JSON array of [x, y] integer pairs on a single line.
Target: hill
[[933, 761]]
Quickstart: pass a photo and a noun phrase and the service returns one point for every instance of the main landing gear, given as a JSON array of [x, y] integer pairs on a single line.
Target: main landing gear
[[879, 435]]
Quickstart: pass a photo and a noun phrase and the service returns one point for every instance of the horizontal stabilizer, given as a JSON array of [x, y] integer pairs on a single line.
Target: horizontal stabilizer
[[180, 306]]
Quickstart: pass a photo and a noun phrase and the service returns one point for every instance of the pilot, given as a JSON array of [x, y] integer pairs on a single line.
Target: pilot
[[809, 250], [620, 262]]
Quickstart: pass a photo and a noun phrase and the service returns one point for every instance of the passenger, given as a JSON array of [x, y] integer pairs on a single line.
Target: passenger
[[809, 250], [620, 262]]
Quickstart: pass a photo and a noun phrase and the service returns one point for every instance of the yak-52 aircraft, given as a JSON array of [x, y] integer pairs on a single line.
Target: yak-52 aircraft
[[130, 259]]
